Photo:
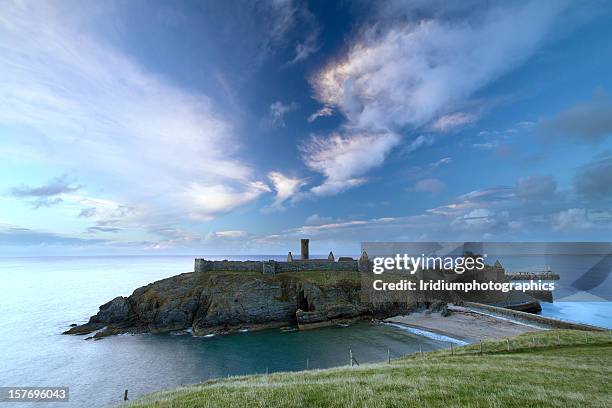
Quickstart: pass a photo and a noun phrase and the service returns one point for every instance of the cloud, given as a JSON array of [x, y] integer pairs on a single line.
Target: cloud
[[46, 195], [285, 188], [54, 187], [415, 71], [418, 142], [94, 230], [573, 218], [94, 108], [276, 115], [324, 111], [536, 187], [310, 44], [589, 121], [430, 185], [453, 121], [208, 201], [478, 219], [316, 219], [231, 234], [594, 179], [343, 160], [27, 237]]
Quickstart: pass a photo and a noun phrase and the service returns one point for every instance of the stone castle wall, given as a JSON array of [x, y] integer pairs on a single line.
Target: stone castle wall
[[271, 267]]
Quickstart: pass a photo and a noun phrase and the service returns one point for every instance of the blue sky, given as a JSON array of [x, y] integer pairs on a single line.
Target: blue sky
[[240, 127]]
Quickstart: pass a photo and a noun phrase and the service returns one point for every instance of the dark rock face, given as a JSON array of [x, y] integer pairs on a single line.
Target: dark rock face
[[222, 301]]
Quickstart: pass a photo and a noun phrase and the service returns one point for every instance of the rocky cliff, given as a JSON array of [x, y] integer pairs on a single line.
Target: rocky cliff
[[224, 301]]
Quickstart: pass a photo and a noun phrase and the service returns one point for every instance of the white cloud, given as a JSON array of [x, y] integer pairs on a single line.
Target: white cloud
[[285, 188], [344, 159], [414, 72], [453, 121], [92, 108], [324, 111], [207, 201], [276, 115], [316, 219]]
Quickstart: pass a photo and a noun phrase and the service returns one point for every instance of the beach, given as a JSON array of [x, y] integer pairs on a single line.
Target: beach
[[464, 324]]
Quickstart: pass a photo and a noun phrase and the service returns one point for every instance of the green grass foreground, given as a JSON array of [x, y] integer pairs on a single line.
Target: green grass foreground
[[559, 368]]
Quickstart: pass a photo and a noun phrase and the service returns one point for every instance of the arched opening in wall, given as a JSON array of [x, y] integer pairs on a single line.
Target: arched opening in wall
[[302, 302]]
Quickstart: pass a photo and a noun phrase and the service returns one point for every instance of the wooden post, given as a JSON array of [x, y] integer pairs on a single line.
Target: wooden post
[[610, 334], [388, 356], [351, 356], [558, 340], [266, 370], [508, 344], [125, 397], [586, 337], [452, 349], [480, 346], [421, 350], [307, 364], [534, 343]]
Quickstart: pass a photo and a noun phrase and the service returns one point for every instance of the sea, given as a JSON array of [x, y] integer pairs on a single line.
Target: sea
[[41, 297]]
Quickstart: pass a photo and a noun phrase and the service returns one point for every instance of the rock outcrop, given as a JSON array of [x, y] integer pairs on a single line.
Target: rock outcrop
[[224, 301]]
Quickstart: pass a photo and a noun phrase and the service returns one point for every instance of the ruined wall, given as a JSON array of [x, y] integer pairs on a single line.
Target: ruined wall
[[270, 267], [203, 265]]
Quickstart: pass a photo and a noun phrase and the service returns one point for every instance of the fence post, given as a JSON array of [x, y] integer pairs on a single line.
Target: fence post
[[452, 350], [558, 340], [534, 341], [480, 346], [388, 356], [586, 337], [125, 397], [307, 364], [508, 344], [351, 356], [420, 350]]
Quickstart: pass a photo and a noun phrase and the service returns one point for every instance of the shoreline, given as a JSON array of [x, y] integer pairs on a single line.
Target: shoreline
[[463, 325]]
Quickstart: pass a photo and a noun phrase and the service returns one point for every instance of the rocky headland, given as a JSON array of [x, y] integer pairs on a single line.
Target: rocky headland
[[222, 302]]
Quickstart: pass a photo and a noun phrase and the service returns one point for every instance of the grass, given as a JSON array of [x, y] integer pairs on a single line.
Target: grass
[[576, 373]]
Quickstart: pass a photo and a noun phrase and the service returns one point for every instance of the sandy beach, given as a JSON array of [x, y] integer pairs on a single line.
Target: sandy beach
[[463, 324]]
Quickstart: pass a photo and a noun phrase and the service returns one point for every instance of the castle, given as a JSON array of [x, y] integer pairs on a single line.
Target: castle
[[291, 265]]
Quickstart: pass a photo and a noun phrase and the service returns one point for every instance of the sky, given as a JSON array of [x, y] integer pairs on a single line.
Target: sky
[[239, 127]]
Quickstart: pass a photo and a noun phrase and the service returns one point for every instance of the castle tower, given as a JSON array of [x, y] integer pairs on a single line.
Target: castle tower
[[304, 248]]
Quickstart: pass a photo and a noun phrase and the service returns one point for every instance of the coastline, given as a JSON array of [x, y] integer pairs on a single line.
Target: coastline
[[463, 325]]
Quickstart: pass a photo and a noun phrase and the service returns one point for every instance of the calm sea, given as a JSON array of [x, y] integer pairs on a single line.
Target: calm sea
[[41, 297]]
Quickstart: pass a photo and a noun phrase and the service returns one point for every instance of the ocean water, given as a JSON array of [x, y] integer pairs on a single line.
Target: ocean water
[[41, 297]]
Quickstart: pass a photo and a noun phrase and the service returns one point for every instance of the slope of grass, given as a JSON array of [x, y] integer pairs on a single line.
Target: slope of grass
[[576, 373]]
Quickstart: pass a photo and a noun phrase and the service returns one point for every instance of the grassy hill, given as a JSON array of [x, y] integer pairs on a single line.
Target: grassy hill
[[547, 369]]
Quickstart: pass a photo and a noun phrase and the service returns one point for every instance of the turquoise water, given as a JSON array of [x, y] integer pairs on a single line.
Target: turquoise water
[[42, 297]]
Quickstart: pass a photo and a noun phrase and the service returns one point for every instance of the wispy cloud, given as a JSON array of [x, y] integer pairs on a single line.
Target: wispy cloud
[[421, 69], [412, 72], [285, 187], [324, 111], [47, 194], [103, 113], [276, 114], [343, 160]]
